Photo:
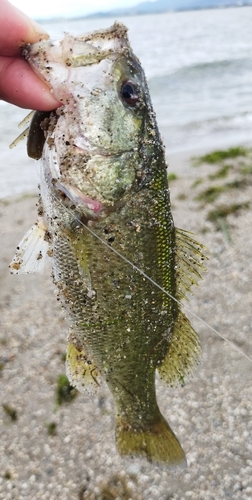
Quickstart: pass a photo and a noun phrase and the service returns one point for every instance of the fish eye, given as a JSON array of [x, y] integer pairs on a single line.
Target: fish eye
[[129, 93]]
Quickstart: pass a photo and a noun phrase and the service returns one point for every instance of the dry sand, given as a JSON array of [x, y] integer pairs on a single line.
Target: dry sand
[[211, 415]]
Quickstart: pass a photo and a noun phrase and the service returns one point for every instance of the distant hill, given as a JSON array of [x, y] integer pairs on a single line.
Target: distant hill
[[170, 5]]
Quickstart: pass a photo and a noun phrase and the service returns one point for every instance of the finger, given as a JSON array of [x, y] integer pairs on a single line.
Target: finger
[[20, 86], [17, 29]]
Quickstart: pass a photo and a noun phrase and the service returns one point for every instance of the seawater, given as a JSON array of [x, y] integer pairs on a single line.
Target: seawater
[[199, 68]]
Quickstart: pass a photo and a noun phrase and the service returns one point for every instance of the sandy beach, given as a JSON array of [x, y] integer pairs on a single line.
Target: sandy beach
[[70, 454]]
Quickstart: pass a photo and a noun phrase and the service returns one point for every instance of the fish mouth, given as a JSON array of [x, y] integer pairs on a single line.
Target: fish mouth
[[66, 192], [82, 194], [89, 208], [77, 197]]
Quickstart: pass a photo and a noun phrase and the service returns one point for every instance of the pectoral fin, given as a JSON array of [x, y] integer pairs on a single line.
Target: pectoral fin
[[33, 251]]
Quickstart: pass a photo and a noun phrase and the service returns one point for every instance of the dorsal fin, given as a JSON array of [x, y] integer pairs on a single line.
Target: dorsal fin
[[33, 252]]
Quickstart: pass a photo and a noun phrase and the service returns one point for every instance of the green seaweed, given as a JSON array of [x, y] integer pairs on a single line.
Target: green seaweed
[[182, 196], [11, 412], [240, 164], [213, 192], [246, 169], [236, 184], [210, 194], [204, 230], [197, 182], [65, 392], [51, 428], [221, 173], [63, 356], [7, 474], [172, 177], [219, 156], [219, 214], [222, 211]]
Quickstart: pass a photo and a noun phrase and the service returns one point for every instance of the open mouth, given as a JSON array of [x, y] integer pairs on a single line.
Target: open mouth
[[76, 196]]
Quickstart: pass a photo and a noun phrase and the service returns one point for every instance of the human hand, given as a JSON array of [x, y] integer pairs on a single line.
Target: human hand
[[18, 83]]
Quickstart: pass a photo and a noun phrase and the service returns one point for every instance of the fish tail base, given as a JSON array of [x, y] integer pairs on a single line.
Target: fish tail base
[[156, 442]]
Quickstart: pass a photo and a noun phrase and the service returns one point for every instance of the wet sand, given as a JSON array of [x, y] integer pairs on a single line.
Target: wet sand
[[211, 414]]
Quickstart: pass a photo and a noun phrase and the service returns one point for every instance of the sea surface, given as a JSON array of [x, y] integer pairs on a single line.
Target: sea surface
[[199, 68]]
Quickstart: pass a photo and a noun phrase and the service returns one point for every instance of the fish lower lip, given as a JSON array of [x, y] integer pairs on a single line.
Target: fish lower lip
[[82, 143], [78, 198], [85, 147]]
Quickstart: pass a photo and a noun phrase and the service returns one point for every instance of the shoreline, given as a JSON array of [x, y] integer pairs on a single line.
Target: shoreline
[[211, 414], [180, 160]]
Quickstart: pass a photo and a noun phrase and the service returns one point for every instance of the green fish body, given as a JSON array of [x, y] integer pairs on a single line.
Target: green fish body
[[105, 222]]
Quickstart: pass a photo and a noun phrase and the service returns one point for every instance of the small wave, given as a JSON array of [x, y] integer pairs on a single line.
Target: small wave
[[239, 121], [221, 65], [198, 132], [206, 70]]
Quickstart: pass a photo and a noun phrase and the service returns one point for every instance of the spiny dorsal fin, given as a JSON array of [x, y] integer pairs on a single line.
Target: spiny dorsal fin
[[80, 369], [33, 252], [183, 353], [189, 259]]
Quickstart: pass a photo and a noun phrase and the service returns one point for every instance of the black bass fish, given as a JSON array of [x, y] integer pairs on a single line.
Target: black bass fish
[[104, 180]]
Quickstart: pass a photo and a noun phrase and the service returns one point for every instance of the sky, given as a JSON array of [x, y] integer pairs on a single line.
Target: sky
[[68, 8]]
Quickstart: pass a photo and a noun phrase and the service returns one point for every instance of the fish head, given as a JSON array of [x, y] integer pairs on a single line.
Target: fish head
[[106, 113]]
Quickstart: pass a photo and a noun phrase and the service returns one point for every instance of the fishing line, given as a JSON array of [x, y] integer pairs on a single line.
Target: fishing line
[[121, 256]]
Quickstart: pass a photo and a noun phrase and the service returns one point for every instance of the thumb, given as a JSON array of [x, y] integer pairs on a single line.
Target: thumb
[[20, 86]]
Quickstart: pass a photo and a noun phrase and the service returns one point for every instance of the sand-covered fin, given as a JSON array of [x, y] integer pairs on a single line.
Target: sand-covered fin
[[80, 369], [156, 442], [184, 348], [33, 253], [183, 352], [189, 258]]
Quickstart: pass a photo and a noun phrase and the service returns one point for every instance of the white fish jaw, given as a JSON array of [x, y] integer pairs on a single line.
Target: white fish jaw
[[51, 60]]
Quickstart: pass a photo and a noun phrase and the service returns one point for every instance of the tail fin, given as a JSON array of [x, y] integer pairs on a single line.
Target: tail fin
[[156, 442]]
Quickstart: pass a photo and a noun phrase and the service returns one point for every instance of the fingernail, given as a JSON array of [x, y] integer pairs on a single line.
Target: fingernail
[[39, 32]]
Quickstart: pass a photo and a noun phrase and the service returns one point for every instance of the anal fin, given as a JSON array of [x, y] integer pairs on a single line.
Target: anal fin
[[80, 369], [189, 258], [183, 352]]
